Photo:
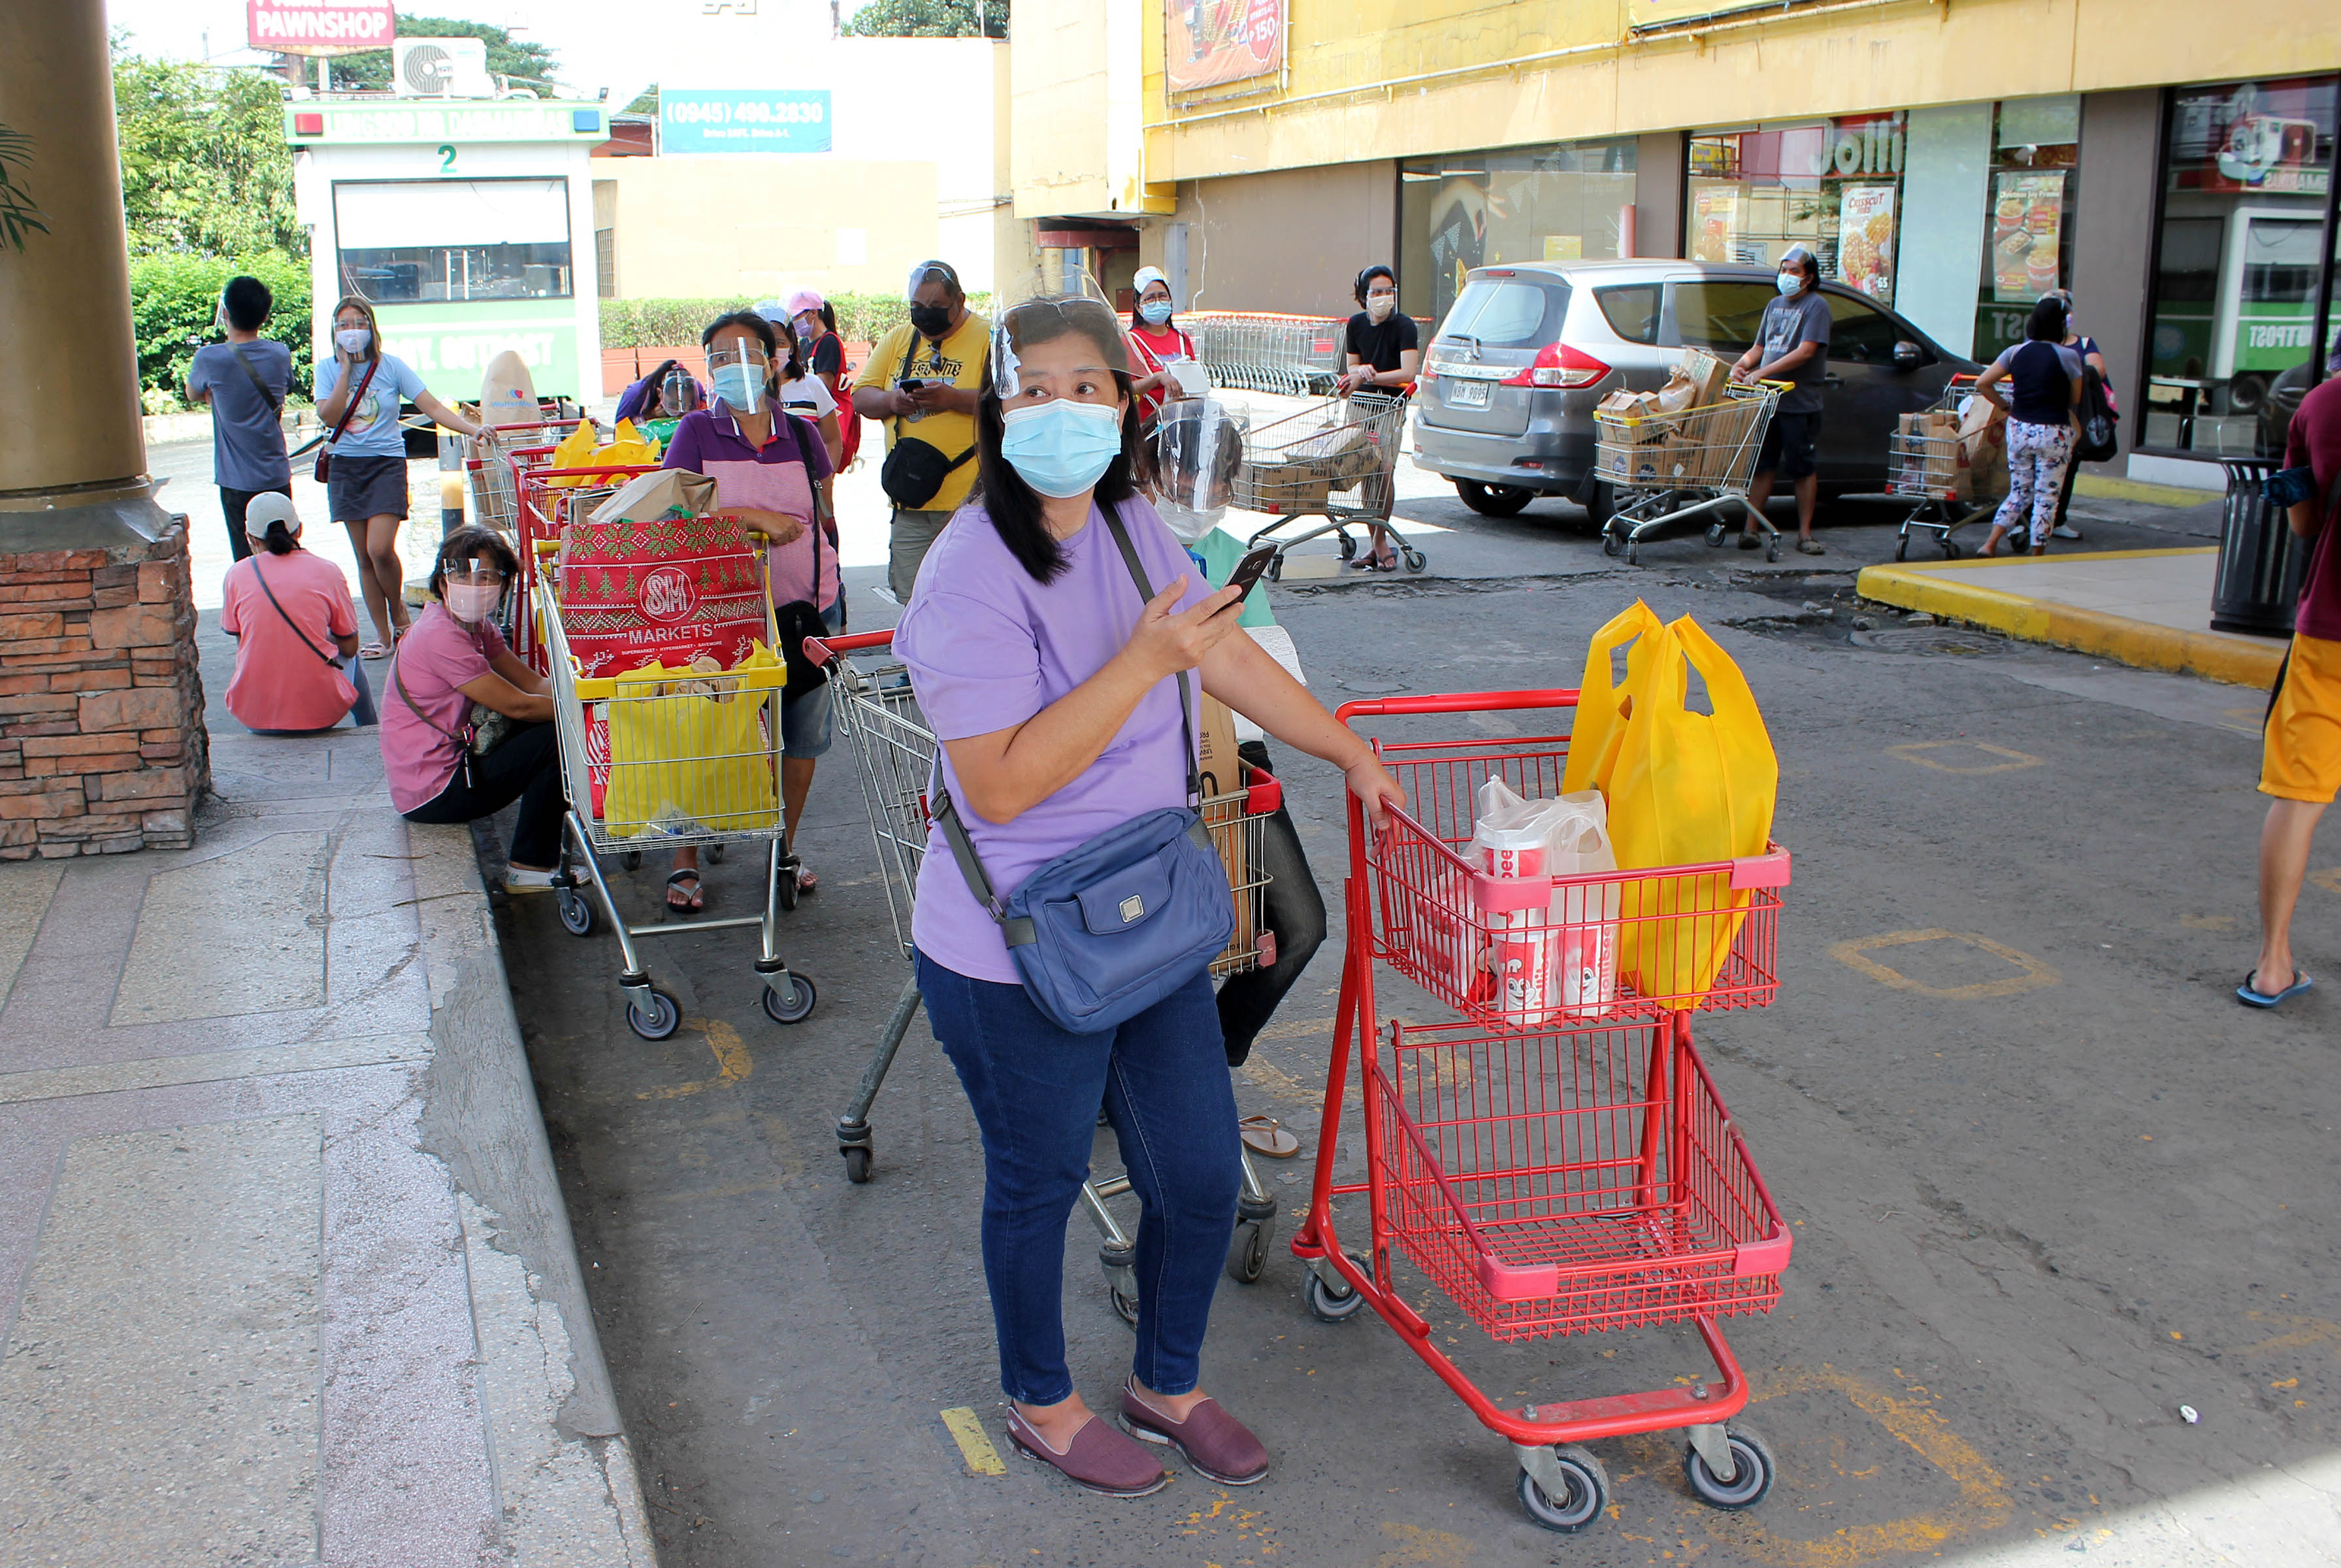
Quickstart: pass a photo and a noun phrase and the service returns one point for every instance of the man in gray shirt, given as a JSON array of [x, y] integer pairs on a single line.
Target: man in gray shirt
[[1791, 346], [243, 381]]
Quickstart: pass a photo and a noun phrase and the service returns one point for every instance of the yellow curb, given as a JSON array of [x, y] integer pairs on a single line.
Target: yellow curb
[[1939, 590], [2114, 489]]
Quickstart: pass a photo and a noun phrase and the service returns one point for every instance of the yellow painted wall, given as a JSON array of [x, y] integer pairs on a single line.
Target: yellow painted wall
[[1847, 57], [1081, 105], [751, 224]]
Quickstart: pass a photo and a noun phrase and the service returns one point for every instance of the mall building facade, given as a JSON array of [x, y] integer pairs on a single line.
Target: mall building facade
[[1953, 159]]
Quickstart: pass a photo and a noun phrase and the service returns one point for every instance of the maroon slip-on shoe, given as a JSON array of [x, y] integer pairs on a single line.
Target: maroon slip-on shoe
[[1216, 1444], [1099, 1459]]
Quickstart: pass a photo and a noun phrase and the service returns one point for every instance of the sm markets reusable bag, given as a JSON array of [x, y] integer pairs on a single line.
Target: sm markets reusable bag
[[1688, 789]]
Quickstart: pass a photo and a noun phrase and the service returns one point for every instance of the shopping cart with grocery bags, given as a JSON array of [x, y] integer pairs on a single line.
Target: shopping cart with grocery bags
[[1554, 1158], [1684, 452], [895, 753], [662, 759]]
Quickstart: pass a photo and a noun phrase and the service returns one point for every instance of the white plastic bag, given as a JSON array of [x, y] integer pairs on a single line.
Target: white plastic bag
[[1560, 959]]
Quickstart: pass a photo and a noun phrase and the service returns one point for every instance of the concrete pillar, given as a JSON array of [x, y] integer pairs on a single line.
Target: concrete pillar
[[102, 744], [1658, 160], [72, 459]]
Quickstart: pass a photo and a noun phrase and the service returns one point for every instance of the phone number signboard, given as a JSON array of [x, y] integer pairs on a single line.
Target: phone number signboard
[[744, 120]]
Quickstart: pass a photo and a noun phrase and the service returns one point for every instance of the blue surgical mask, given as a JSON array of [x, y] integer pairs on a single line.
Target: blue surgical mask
[[1155, 310], [1788, 282], [741, 386], [1060, 447]]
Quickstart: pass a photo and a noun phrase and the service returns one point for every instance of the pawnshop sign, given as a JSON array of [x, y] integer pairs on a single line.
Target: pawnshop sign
[[320, 26]]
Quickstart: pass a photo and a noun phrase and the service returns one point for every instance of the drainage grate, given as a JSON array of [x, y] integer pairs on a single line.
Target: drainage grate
[[1956, 641]]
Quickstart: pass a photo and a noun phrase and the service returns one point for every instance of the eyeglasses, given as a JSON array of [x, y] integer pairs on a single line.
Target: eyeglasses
[[718, 358]]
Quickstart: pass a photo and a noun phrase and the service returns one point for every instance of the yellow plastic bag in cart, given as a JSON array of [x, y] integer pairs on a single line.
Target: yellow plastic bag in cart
[[575, 450], [689, 753], [1688, 789], [1605, 704]]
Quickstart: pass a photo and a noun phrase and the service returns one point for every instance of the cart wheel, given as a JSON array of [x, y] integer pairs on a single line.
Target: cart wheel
[[1348, 546], [857, 1166], [1751, 1476], [1327, 1307], [1248, 1253], [656, 1022], [1950, 551], [1902, 547], [1717, 536], [797, 1008], [1415, 560], [1124, 1307], [631, 860], [1276, 568], [787, 887], [715, 855], [1633, 552], [1772, 550], [1612, 542], [1588, 1492], [576, 912]]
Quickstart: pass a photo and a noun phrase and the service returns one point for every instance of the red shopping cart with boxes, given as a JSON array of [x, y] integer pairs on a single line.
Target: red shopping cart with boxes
[[1555, 1159]]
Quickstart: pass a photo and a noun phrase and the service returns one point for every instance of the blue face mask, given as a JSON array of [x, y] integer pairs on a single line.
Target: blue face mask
[[1155, 312], [1062, 448], [741, 386], [1788, 282]]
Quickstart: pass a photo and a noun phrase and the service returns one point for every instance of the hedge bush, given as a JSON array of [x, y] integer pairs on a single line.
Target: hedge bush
[[670, 323], [172, 299]]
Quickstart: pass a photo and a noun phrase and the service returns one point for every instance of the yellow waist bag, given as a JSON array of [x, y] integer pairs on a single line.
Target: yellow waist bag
[[1685, 789], [693, 761]]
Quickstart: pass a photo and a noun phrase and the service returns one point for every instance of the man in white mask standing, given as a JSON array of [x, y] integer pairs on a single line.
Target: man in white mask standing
[[1384, 350], [1791, 346]]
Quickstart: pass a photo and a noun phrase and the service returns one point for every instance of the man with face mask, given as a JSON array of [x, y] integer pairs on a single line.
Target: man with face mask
[[1791, 346], [922, 382]]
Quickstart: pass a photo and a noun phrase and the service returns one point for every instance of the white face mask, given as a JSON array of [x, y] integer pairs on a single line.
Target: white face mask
[[1379, 306], [353, 339]]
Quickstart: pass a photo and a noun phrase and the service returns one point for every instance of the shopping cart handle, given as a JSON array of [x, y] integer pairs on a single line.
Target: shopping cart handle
[[1456, 703], [1769, 1256], [1753, 871], [1511, 1283], [822, 650]]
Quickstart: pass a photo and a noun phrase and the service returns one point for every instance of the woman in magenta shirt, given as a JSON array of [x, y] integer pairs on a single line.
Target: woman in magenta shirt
[[452, 657], [295, 634], [1051, 682]]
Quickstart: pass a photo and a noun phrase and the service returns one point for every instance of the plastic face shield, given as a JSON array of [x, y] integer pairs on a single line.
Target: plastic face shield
[[732, 351], [1198, 447], [1050, 345], [677, 394], [930, 271]]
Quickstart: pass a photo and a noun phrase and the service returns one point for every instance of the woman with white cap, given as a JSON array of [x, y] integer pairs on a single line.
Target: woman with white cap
[[296, 636], [1156, 344]]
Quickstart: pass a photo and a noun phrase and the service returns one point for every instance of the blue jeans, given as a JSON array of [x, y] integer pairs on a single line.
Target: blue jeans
[[1163, 1078]]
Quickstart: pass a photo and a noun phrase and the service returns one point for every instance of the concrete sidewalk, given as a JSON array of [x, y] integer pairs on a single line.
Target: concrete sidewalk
[[2150, 608], [285, 1275]]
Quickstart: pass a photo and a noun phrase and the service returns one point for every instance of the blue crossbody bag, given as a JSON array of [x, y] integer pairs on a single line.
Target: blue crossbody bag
[[1108, 929]]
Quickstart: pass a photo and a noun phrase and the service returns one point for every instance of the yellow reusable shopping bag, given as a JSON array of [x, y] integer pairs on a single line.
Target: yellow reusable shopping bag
[[1688, 789], [689, 761], [575, 451], [1603, 703], [628, 447]]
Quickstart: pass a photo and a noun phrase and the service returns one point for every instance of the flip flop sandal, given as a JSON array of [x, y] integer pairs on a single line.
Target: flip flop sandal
[[1266, 1135], [694, 901], [2264, 999], [517, 880], [374, 650], [1810, 547], [806, 881]]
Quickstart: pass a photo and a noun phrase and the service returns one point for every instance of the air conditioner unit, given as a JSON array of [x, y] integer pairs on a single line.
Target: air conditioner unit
[[441, 68]]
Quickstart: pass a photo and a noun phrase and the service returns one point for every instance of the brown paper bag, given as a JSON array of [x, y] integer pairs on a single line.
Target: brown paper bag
[[1705, 374], [648, 497]]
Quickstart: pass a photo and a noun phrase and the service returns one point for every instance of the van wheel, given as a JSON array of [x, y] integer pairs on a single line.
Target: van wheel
[[1493, 500]]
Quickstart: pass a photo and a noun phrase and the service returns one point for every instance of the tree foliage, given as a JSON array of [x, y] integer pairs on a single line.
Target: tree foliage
[[645, 101], [929, 19], [529, 63], [172, 302], [205, 168]]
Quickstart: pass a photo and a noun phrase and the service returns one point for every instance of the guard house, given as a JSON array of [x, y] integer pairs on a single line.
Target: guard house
[[468, 224]]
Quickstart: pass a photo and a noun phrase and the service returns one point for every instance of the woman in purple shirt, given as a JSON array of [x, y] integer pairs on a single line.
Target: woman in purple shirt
[[1052, 687]]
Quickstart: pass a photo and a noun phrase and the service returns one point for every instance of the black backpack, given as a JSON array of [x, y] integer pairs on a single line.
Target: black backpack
[[2097, 441]]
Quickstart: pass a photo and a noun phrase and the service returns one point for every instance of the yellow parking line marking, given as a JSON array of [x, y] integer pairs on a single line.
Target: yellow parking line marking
[[2016, 760], [2208, 921], [982, 1459], [1983, 1505], [733, 1063], [2328, 879], [2035, 973]]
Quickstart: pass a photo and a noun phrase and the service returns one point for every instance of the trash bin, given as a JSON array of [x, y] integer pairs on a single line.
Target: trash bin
[[2260, 561]]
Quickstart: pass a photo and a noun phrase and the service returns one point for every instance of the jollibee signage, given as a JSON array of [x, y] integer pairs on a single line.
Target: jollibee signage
[[320, 26]]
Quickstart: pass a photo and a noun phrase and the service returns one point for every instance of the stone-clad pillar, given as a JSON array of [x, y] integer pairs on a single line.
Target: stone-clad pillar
[[102, 745]]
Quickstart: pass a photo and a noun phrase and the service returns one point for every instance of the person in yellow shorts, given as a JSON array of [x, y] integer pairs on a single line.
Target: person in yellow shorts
[[2301, 752]]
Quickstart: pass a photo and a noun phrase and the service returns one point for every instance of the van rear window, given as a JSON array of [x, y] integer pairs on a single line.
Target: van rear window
[[1508, 313], [1631, 310]]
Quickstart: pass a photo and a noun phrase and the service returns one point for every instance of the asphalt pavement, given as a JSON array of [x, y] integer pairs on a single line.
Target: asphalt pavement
[[2052, 1188]]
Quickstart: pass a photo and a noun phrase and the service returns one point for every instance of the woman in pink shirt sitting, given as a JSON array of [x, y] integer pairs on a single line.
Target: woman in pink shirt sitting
[[450, 658], [296, 635]]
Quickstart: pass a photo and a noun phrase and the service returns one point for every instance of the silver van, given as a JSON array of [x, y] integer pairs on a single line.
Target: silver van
[[1504, 407]]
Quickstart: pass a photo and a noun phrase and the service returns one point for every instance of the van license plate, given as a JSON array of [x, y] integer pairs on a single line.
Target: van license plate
[[1468, 393]]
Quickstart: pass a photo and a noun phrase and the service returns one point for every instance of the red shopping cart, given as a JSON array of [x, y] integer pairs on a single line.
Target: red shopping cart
[[548, 500], [1557, 1161]]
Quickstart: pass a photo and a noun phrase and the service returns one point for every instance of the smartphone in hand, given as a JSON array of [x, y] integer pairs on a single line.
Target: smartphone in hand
[[1248, 572]]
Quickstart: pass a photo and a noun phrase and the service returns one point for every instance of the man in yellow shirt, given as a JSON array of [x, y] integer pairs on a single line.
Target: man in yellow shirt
[[921, 380]]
